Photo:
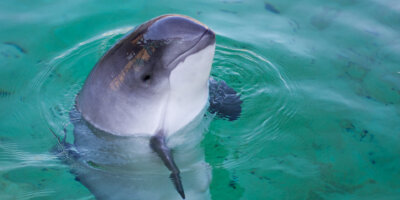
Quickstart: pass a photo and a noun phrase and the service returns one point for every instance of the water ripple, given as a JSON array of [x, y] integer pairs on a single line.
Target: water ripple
[[267, 93], [263, 85], [58, 84], [13, 158]]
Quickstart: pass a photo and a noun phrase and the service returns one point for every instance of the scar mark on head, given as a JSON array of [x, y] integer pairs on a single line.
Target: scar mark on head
[[135, 41], [136, 63]]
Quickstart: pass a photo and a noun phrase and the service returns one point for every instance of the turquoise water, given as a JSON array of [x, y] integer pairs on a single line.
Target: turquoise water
[[320, 82]]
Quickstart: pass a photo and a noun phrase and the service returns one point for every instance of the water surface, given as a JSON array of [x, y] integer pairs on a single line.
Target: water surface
[[320, 81]]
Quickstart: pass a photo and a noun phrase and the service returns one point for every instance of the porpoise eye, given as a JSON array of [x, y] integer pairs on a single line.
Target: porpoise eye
[[146, 78]]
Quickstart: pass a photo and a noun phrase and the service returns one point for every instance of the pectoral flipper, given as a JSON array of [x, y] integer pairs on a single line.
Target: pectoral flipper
[[158, 144]]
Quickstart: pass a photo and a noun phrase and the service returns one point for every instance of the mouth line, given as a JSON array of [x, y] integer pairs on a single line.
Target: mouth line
[[189, 49]]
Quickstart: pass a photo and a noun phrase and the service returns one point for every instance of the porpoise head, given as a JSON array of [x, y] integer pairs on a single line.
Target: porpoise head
[[155, 76]]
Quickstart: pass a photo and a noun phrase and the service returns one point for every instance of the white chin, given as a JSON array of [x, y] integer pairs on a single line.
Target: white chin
[[188, 89]]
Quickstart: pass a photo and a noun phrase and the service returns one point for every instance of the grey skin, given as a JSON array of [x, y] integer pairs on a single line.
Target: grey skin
[[137, 70]]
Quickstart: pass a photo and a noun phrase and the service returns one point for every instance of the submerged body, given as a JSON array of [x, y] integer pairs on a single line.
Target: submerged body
[[124, 168], [146, 97]]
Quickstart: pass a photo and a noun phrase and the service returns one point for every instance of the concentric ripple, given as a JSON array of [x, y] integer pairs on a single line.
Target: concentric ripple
[[266, 93], [264, 87]]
